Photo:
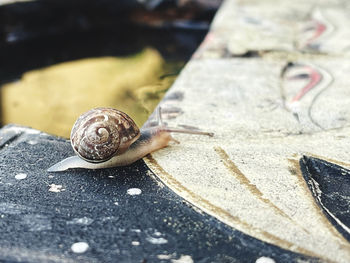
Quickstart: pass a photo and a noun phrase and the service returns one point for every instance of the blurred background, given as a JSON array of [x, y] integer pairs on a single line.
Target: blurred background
[[61, 58]]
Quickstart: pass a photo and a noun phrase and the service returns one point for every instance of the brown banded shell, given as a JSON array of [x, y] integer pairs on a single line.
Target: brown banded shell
[[100, 133]]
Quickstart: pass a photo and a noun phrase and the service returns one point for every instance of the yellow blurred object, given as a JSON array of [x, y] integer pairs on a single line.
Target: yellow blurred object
[[51, 99]]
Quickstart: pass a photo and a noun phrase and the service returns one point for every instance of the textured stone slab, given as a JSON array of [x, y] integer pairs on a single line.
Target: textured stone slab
[[308, 26], [285, 98], [113, 215], [248, 175]]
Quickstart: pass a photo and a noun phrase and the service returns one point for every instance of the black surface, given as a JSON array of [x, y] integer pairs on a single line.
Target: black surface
[[40, 33], [330, 185], [36, 225]]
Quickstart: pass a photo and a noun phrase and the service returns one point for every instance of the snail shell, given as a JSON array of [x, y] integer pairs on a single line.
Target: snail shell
[[101, 133]]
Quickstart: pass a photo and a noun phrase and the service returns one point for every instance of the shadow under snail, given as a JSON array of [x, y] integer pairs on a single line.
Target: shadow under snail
[[106, 137]]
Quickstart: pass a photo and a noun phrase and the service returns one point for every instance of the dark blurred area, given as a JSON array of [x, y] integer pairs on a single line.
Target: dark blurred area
[[36, 34]]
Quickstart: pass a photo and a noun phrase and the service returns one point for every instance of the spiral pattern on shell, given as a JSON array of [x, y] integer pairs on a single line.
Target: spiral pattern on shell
[[98, 134]]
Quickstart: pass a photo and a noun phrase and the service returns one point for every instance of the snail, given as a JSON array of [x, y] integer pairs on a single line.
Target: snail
[[106, 137]]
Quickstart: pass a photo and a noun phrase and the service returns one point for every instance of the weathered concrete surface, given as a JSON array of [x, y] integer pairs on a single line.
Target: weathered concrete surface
[[307, 26], [248, 174], [120, 215], [266, 113]]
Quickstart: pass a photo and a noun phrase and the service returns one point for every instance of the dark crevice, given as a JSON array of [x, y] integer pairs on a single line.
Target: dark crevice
[[248, 54], [329, 184]]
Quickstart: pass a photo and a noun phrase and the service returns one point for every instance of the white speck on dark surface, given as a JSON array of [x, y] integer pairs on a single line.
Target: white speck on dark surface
[[164, 256], [56, 188], [21, 176], [134, 191], [32, 142], [265, 260], [116, 203], [81, 221], [156, 241], [80, 247], [183, 259], [135, 243], [157, 234]]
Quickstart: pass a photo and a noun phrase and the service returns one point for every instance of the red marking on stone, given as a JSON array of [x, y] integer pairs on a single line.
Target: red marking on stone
[[315, 78], [319, 29]]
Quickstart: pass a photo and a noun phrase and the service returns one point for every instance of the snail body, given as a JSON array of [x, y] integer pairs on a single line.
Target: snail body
[[106, 137]]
